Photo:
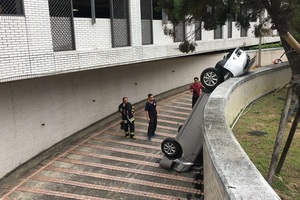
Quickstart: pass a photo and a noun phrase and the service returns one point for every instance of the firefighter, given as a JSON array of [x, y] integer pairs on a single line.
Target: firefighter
[[127, 111]]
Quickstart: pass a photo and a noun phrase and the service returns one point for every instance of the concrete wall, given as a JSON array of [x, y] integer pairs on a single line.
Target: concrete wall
[[228, 171], [68, 103]]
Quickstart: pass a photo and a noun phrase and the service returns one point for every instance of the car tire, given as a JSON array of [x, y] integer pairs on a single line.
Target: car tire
[[211, 78], [171, 148]]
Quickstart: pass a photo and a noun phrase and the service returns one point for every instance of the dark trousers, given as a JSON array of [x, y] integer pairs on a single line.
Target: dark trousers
[[152, 126], [194, 100], [130, 125]]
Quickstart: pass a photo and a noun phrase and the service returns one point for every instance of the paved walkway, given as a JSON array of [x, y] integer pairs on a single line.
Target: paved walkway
[[106, 165]]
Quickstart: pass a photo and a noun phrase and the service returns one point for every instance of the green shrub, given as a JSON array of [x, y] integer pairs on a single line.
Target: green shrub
[[267, 46]]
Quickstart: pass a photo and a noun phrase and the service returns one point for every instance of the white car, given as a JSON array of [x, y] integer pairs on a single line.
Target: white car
[[235, 63], [186, 149]]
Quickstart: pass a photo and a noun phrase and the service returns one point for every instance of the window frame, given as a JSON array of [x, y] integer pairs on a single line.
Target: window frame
[[22, 9]]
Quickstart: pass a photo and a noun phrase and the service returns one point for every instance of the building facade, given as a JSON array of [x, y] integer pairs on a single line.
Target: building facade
[[48, 37]]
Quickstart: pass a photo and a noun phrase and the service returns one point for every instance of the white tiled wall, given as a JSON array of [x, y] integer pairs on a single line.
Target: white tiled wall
[[38, 34], [135, 23], [14, 55], [92, 36], [158, 34]]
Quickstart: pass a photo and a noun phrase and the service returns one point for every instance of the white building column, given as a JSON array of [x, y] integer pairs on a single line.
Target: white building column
[[39, 36], [135, 23]]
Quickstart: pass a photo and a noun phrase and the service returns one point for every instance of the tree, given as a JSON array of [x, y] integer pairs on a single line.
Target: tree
[[283, 14]]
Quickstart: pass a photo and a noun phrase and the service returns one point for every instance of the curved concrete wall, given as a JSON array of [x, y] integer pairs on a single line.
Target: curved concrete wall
[[228, 171]]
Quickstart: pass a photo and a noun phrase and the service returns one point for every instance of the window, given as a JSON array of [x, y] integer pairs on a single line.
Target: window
[[229, 28], [102, 8], [120, 9], [82, 8], [157, 13], [62, 28], [244, 32], [11, 7], [179, 32], [218, 33], [120, 23], [253, 17], [146, 18], [198, 30]]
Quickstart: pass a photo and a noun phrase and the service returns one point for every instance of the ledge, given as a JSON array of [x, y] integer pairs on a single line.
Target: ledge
[[228, 171]]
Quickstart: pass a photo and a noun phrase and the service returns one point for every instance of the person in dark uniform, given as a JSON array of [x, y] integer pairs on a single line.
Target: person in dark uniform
[[151, 115], [195, 88], [127, 111]]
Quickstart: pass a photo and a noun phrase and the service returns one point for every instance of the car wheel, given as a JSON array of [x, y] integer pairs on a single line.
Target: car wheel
[[211, 78], [171, 148]]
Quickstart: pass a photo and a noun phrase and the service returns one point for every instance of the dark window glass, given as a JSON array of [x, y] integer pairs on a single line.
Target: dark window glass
[[82, 8], [157, 13], [62, 29], [102, 8], [253, 18], [229, 33], [179, 32], [198, 30], [146, 21], [218, 33], [244, 32], [11, 7], [120, 8], [120, 23]]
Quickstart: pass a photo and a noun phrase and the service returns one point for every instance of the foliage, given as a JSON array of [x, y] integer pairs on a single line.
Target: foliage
[[214, 13], [186, 46], [294, 19], [267, 46], [211, 12]]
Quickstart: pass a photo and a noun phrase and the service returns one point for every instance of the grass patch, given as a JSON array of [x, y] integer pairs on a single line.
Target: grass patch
[[264, 115]]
